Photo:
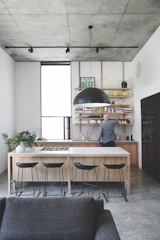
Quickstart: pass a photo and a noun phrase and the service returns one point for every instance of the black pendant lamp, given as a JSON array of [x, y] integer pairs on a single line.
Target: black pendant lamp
[[91, 97]]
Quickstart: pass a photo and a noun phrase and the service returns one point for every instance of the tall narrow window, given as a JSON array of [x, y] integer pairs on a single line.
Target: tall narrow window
[[55, 99]]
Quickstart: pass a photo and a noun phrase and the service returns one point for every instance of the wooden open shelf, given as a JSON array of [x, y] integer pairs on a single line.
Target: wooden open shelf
[[110, 89], [100, 123], [114, 105], [103, 113], [120, 97], [102, 118]]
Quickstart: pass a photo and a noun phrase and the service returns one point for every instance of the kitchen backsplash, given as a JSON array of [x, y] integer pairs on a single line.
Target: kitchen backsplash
[[92, 132]]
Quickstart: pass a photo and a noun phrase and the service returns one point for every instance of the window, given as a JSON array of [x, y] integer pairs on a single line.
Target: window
[[55, 99]]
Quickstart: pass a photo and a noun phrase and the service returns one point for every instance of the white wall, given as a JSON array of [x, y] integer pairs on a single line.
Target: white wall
[[28, 95], [148, 83], [7, 103]]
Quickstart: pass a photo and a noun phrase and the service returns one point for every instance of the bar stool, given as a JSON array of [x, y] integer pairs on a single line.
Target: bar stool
[[85, 168], [115, 166], [53, 165], [22, 166]]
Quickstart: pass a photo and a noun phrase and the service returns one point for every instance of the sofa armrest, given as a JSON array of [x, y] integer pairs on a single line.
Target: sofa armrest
[[105, 228]]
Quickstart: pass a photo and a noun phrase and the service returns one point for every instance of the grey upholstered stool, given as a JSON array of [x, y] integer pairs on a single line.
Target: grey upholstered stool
[[120, 168], [87, 168], [53, 165], [23, 166]]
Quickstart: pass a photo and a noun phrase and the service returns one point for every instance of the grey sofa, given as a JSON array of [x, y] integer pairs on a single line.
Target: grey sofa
[[56, 219]]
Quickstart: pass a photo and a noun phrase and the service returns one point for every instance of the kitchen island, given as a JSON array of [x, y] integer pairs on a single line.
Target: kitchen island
[[84, 155], [129, 146]]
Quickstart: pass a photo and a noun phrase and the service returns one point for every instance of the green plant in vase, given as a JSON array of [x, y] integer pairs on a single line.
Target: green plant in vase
[[23, 139], [124, 84]]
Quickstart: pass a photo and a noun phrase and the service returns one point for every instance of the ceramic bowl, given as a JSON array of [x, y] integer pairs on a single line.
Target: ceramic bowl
[[115, 94], [125, 93]]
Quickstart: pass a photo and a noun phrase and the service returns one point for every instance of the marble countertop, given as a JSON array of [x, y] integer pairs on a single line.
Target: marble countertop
[[74, 151], [80, 141]]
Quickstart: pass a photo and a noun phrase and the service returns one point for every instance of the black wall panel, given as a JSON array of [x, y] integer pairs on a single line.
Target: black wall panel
[[150, 112]]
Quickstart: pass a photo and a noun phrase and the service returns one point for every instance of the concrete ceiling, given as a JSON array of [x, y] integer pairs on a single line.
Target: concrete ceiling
[[122, 23]]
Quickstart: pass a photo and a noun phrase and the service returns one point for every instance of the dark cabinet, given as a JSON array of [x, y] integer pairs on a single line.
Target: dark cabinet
[[150, 112]]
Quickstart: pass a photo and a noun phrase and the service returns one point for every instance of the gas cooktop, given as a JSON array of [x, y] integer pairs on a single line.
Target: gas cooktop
[[54, 149]]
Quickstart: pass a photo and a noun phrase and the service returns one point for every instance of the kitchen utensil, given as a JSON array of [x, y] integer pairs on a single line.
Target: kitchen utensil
[[92, 121], [127, 138], [117, 136], [105, 109]]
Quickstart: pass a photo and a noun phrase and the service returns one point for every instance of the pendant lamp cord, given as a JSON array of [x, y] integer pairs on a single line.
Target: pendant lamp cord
[[90, 52]]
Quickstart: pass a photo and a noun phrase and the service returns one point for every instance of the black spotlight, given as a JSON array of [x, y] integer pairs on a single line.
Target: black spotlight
[[30, 50], [97, 50], [67, 50]]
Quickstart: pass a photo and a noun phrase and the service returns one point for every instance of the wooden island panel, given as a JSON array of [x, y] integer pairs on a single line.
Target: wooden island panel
[[131, 147]]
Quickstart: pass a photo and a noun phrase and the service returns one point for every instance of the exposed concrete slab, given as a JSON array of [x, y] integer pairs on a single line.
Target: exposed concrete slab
[[3, 9], [65, 23], [35, 6], [96, 7], [104, 29], [142, 6], [136, 29], [10, 34], [44, 30]]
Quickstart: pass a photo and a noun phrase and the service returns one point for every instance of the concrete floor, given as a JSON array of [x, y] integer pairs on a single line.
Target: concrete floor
[[137, 219]]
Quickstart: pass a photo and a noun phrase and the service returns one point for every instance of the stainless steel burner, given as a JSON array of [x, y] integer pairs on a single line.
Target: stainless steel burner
[[54, 149]]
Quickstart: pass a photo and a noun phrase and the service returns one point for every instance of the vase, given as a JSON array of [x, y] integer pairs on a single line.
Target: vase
[[21, 148], [124, 85]]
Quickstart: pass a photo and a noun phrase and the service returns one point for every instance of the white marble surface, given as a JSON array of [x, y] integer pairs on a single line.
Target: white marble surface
[[75, 151], [70, 141]]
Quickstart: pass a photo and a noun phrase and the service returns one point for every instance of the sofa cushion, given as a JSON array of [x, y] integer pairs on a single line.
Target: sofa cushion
[[105, 227], [48, 218], [2, 206], [99, 206]]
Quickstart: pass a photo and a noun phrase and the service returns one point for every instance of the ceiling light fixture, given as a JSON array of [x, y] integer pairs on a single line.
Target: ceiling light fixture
[[91, 97], [30, 50], [67, 50]]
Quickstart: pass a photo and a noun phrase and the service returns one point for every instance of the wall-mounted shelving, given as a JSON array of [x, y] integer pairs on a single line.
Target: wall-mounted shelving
[[100, 112], [109, 89]]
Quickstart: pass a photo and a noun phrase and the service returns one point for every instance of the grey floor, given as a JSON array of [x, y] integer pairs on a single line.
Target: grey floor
[[137, 219]]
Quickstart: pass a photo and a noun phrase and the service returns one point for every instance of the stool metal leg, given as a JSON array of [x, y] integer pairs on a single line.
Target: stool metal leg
[[97, 183], [32, 183], [88, 182], [104, 188], [74, 182], [38, 182], [60, 181], [124, 192], [108, 184], [17, 187], [63, 182], [44, 193]]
